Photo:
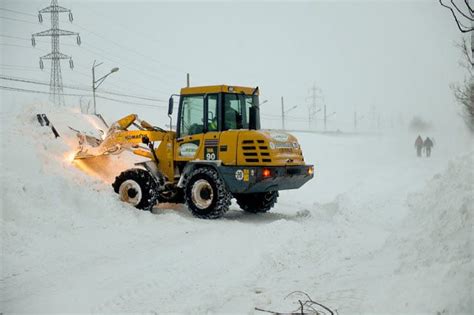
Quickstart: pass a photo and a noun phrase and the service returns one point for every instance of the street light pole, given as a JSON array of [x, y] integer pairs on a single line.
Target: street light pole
[[93, 85], [326, 117], [98, 82], [282, 114]]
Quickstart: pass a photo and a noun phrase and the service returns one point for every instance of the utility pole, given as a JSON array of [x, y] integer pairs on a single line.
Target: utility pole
[[312, 106], [282, 114], [373, 118], [356, 120], [56, 81], [187, 80], [325, 117]]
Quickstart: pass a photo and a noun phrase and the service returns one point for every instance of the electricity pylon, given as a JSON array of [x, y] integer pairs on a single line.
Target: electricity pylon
[[56, 81]]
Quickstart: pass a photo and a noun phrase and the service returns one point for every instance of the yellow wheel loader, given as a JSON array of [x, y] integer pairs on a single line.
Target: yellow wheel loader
[[217, 153]]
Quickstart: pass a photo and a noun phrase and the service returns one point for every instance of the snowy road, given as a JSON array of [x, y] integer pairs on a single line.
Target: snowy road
[[352, 238]]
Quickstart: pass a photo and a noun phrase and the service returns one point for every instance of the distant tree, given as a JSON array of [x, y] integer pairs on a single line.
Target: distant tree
[[419, 124], [464, 92]]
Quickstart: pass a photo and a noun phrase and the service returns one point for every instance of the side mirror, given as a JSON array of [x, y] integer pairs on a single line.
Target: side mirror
[[170, 106]]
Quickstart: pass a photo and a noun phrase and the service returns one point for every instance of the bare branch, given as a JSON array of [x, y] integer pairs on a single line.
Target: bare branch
[[323, 306], [310, 302], [470, 9], [461, 27], [462, 13], [302, 307], [300, 292], [463, 46], [262, 310]]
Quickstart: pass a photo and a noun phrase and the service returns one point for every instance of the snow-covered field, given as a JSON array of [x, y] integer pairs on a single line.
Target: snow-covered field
[[377, 231]]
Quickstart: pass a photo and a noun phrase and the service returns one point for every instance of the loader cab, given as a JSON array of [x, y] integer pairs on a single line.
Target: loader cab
[[216, 109], [209, 117]]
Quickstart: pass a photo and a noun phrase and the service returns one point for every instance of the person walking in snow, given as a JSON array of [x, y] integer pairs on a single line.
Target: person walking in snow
[[428, 144], [418, 145]]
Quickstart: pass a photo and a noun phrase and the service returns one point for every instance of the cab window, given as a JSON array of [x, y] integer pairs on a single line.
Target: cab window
[[192, 115], [235, 112], [212, 112]]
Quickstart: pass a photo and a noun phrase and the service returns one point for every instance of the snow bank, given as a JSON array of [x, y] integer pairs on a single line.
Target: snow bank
[[372, 235], [436, 246], [47, 203]]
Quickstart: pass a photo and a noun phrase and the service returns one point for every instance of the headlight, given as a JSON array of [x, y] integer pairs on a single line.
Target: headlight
[[272, 145]]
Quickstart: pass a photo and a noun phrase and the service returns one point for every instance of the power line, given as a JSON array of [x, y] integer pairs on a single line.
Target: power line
[[18, 66], [132, 103], [8, 67], [141, 71], [15, 37], [18, 12], [16, 89], [33, 91], [151, 58], [21, 46], [16, 79], [119, 61], [19, 69], [116, 59], [17, 20], [107, 39]]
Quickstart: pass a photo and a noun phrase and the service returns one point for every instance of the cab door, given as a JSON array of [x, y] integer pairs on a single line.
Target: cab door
[[190, 129], [198, 130], [210, 149]]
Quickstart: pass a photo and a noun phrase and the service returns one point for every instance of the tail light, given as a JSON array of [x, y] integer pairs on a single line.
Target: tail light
[[266, 172], [311, 170]]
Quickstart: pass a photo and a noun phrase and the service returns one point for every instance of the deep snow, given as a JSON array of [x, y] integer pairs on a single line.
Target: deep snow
[[377, 231]]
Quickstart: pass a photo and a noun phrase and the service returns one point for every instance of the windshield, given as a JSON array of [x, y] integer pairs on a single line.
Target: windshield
[[236, 110]]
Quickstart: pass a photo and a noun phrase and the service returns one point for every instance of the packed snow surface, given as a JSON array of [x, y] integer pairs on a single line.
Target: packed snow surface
[[377, 230]]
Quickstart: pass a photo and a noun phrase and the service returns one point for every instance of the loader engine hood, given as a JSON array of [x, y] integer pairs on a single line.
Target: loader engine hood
[[268, 147]]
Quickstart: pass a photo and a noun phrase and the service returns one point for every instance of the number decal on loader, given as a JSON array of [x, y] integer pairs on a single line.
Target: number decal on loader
[[210, 153]]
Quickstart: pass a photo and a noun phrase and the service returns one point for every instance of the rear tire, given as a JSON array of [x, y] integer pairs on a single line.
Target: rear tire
[[206, 194], [257, 202], [138, 188]]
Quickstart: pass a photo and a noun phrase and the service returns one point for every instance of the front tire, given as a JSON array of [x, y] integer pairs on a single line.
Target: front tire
[[138, 188], [206, 194], [257, 202]]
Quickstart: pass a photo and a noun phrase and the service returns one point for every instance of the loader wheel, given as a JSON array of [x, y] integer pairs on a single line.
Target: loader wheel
[[206, 194], [137, 187], [258, 202]]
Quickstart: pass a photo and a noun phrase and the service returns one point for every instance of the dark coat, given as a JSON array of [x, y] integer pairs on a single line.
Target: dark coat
[[418, 142], [428, 143]]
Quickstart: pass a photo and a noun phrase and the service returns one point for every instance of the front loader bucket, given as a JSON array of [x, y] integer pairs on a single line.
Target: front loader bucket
[[90, 146], [117, 139]]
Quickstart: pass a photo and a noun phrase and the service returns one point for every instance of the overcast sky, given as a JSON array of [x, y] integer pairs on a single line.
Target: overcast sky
[[395, 57]]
